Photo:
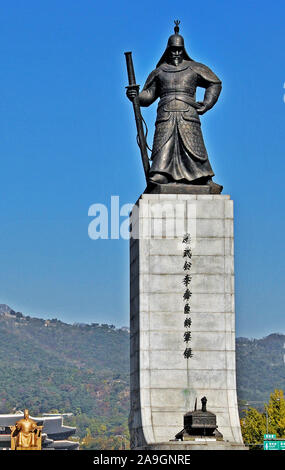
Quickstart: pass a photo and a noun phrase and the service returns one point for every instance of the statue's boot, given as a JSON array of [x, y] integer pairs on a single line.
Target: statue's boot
[[158, 178], [214, 187]]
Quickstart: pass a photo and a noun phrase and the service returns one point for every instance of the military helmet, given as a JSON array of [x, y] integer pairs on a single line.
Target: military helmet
[[174, 40]]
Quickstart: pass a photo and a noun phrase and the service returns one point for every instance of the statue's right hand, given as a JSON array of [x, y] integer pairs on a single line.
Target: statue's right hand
[[131, 93]]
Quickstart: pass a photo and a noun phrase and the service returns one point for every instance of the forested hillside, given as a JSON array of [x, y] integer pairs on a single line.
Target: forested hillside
[[260, 367], [49, 365]]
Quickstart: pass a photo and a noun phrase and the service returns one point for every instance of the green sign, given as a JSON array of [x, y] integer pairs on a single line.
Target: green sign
[[274, 445], [269, 436], [271, 445]]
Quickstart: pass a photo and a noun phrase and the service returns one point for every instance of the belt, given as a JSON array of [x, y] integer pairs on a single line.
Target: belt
[[187, 91], [180, 96]]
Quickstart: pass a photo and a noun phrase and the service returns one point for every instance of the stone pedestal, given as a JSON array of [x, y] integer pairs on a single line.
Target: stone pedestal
[[201, 444], [165, 385]]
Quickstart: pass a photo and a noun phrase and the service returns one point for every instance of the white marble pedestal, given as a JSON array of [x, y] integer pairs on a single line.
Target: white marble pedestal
[[164, 385]]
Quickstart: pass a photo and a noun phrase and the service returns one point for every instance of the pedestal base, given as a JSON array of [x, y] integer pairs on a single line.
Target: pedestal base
[[165, 384], [180, 188], [196, 445]]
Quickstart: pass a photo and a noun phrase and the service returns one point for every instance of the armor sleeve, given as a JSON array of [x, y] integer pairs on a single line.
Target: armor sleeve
[[212, 94], [150, 90], [204, 72], [212, 84]]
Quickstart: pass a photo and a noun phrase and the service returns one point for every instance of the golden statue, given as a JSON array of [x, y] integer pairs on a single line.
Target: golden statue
[[26, 434]]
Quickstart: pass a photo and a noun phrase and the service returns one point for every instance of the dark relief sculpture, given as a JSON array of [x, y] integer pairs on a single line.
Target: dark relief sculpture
[[199, 423], [179, 157]]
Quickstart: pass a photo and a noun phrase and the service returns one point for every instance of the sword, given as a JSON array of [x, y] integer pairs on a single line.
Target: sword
[[137, 112]]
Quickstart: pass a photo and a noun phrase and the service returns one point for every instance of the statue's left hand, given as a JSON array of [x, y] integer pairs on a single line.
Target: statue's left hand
[[202, 107]]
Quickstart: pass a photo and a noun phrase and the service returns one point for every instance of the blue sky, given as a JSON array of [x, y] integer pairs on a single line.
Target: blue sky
[[68, 141]]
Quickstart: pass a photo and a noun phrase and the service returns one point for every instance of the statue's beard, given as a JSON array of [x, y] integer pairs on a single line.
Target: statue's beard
[[176, 60]]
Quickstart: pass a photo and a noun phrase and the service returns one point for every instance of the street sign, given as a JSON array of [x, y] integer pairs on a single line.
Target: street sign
[[274, 445], [271, 445], [269, 436]]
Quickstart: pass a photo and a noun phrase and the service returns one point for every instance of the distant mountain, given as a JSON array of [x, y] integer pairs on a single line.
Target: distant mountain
[[48, 364], [260, 366]]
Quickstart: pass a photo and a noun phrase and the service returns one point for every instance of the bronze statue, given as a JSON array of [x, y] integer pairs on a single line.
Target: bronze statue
[[26, 434], [179, 154]]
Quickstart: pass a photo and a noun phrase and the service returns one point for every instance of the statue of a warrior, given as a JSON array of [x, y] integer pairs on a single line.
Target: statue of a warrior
[[179, 154]]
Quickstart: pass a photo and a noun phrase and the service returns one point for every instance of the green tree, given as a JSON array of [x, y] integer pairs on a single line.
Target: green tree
[[276, 413], [255, 424]]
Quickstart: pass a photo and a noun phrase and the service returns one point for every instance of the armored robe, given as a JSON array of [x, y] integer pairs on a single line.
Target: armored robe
[[178, 148]]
